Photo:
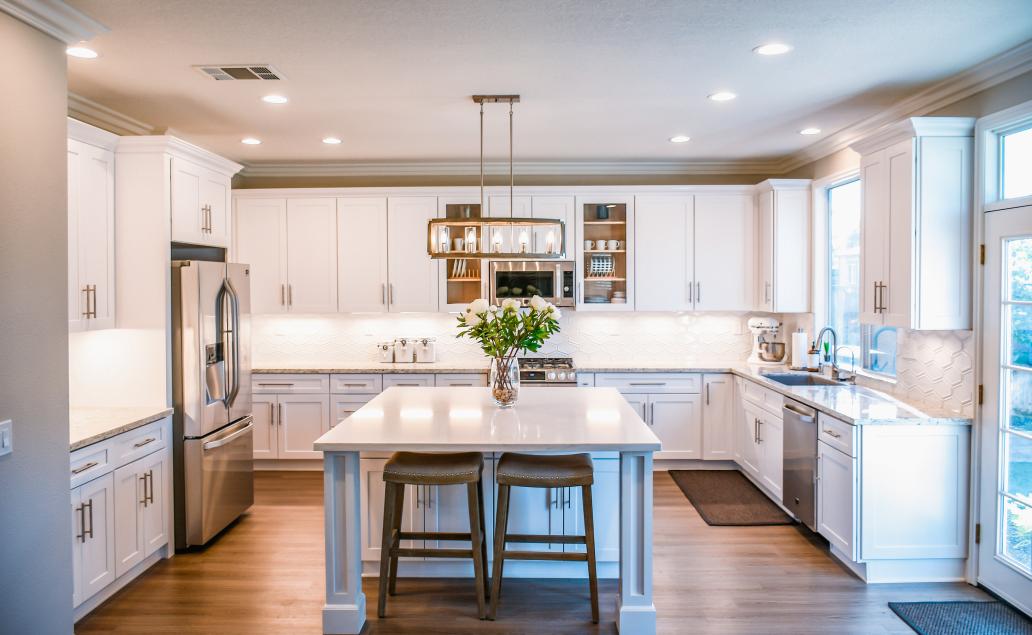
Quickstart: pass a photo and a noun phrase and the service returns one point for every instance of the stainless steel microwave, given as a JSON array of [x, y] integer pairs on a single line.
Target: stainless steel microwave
[[524, 279]]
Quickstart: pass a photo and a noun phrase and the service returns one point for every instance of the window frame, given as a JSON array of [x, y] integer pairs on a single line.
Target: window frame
[[989, 133]]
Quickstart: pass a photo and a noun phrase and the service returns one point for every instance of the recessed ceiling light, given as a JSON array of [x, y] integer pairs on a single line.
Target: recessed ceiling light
[[679, 139], [251, 141], [774, 48], [722, 95], [275, 99], [810, 131], [331, 141], [81, 52]]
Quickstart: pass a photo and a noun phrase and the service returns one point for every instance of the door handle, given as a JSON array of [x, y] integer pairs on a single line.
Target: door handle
[[759, 431], [390, 293], [803, 415], [691, 298], [419, 496], [698, 293], [283, 295], [707, 394], [218, 443], [272, 414], [279, 414], [90, 530], [150, 486], [383, 294], [146, 441], [290, 295], [143, 479], [81, 510], [82, 468], [881, 299], [832, 433]]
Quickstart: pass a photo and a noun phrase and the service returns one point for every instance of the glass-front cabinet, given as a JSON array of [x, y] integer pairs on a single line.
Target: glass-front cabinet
[[463, 279], [605, 263]]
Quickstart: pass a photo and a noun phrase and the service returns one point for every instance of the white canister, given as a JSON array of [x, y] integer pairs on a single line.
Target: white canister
[[385, 352], [404, 350], [426, 350]]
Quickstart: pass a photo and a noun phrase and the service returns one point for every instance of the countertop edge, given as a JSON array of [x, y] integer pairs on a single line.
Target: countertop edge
[[478, 447], [119, 429]]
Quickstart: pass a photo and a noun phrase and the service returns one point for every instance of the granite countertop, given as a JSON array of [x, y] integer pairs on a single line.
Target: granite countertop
[[92, 425]]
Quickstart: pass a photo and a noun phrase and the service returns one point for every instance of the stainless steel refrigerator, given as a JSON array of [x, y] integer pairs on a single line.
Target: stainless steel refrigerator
[[211, 387]]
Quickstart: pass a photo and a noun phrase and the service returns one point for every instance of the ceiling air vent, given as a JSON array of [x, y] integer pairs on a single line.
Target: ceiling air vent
[[240, 71]]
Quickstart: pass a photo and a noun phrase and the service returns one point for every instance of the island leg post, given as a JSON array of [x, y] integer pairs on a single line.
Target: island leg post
[[345, 609], [636, 612]]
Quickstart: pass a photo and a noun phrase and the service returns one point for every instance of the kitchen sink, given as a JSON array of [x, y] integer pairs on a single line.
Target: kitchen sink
[[801, 379]]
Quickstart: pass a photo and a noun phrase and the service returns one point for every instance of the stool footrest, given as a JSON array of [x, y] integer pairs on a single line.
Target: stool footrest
[[546, 539], [431, 535], [574, 556], [431, 553]]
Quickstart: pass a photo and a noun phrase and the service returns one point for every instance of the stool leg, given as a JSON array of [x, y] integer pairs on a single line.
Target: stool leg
[[483, 536], [396, 517], [501, 523], [386, 545], [589, 539], [476, 539]]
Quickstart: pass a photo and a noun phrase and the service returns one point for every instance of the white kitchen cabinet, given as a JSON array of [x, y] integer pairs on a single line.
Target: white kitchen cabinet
[[141, 510], [611, 287], [362, 254], [93, 552], [664, 263], [783, 246], [300, 420], [371, 514], [460, 379], [558, 207], [724, 244], [759, 443], [343, 406], [717, 417], [915, 237], [771, 444], [837, 498], [677, 421], [91, 228], [200, 200], [408, 380], [292, 247], [263, 410], [412, 275], [747, 450]]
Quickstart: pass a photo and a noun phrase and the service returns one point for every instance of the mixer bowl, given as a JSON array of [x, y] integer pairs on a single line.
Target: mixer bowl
[[772, 351]]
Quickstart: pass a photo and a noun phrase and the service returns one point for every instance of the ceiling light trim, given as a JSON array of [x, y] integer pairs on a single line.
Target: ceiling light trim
[[99, 115], [56, 19]]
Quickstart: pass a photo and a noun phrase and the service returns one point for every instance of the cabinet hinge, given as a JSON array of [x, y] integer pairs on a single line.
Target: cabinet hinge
[[981, 253], [978, 533], [981, 394]]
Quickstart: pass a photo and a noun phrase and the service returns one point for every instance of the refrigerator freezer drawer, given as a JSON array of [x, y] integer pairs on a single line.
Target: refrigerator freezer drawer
[[219, 480]]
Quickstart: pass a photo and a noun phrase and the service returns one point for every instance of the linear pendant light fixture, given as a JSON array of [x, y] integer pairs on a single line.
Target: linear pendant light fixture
[[485, 237]]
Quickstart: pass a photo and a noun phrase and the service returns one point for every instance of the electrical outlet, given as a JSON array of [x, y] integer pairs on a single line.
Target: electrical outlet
[[6, 437]]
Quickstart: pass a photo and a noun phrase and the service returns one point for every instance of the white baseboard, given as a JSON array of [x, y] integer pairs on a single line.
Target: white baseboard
[[665, 465]]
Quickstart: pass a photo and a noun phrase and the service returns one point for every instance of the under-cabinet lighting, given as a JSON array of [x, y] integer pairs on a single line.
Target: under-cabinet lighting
[[773, 48]]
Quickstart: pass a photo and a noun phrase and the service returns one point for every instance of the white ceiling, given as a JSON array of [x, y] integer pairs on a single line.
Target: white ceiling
[[601, 80]]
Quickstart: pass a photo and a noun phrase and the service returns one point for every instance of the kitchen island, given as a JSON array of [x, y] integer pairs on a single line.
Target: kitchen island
[[460, 419]]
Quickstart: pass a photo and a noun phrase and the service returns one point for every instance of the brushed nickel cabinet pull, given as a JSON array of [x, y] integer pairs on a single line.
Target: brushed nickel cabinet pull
[[272, 415], [144, 442], [290, 295], [279, 414], [279, 384], [84, 467], [283, 295], [832, 433], [86, 311], [383, 294], [707, 394], [90, 530], [143, 479], [149, 490], [81, 510], [698, 293], [390, 293]]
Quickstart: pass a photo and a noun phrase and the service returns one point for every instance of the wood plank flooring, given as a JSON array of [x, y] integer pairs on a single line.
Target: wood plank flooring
[[265, 576]]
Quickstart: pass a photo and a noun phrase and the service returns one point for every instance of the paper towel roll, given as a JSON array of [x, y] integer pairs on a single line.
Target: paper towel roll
[[800, 346]]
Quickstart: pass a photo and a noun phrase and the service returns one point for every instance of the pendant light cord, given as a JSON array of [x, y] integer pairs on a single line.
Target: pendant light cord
[[512, 207], [482, 210]]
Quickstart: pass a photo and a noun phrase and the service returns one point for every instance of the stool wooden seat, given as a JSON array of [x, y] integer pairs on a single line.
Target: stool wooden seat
[[534, 470], [418, 468]]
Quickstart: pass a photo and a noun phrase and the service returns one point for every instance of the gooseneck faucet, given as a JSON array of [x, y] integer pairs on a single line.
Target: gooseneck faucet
[[834, 347]]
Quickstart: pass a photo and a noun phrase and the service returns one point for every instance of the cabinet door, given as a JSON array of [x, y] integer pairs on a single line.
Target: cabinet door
[[96, 228], [345, 406], [717, 428], [263, 409], [155, 512], [215, 197], [896, 295], [498, 206], [312, 255], [76, 548], [874, 237], [677, 421], [187, 219], [836, 497], [724, 252], [748, 446], [446, 508], [373, 489], [771, 453], [412, 275], [605, 500], [765, 251], [128, 527], [664, 266], [98, 551], [534, 510], [261, 243], [362, 254], [639, 403], [791, 251], [560, 207], [301, 420]]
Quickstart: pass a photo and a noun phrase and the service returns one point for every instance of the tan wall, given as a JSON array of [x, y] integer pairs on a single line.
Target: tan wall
[[35, 519], [257, 182]]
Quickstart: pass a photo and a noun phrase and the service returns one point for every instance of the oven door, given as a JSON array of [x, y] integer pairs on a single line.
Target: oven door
[[523, 279]]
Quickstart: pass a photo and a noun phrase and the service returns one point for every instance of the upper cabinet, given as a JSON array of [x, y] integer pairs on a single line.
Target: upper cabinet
[[412, 276], [916, 230], [604, 253], [200, 200], [783, 246], [665, 271], [362, 254], [91, 227], [725, 264]]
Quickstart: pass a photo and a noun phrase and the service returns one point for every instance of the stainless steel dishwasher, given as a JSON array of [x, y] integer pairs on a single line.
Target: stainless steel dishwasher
[[800, 461]]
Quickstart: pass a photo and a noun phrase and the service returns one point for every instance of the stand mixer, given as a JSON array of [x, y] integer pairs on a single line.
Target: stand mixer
[[765, 351]]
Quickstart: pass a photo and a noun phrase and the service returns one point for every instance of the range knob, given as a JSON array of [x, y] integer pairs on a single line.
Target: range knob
[[562, 376], [550, 376], [572, 376]]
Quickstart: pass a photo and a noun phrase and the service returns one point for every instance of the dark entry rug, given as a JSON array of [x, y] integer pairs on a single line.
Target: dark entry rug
[[969, 618], [726, 497]]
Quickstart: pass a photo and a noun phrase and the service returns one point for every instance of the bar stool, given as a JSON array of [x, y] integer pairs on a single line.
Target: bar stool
[[417, 468], [533, 470]]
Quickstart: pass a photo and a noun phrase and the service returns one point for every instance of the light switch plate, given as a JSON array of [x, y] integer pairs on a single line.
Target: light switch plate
[[6, 437]]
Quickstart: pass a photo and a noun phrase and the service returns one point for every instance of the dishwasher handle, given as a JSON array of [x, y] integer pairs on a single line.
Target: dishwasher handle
[[803, 415]]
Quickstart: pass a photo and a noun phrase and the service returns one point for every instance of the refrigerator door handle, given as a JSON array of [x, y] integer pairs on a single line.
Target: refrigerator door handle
[[228, 296]]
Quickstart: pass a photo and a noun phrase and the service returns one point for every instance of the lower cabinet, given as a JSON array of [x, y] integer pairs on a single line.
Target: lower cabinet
[[287, 425], [759, 444], [141, 510], [718, 417], [675, 418], [836, 498], [93, 530]]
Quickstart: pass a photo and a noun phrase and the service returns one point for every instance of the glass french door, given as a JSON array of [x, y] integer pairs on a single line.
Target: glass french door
[[1005, 551]]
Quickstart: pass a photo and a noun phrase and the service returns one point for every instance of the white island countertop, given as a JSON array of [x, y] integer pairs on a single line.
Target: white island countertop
[[466, 419]]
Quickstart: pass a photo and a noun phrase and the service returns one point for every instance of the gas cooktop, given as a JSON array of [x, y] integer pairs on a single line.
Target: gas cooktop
[[557, 371]]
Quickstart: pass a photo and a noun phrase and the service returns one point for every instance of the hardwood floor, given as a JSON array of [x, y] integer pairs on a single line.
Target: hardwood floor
[[265, 576]]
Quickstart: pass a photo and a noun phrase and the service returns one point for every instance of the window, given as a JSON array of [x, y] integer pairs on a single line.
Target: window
[[872, 347], [1016, 163]]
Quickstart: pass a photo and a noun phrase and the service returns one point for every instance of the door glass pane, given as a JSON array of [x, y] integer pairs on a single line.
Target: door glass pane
[[1017, 533], [1017, 163], [1021, 335], [1019, 400], [1019, 467], [1019, 268]]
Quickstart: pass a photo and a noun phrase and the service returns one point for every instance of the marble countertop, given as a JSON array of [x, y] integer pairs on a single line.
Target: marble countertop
[[372, 367], [466, 419], [92, 425]]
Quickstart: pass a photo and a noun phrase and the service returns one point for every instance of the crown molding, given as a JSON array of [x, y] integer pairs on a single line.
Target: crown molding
[[101, 116], [915, 127], [91, 135], [499, 168], [55, 18], [991, 72], [177, 147]]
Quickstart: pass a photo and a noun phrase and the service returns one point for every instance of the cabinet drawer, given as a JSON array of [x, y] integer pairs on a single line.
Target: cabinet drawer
[[343, 407], [301, 384], [408, 379], [763, 397], [364, 384], [838, 434], [586, 379], [651, 383], [90, 462], [461, 379], [140, 442]]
